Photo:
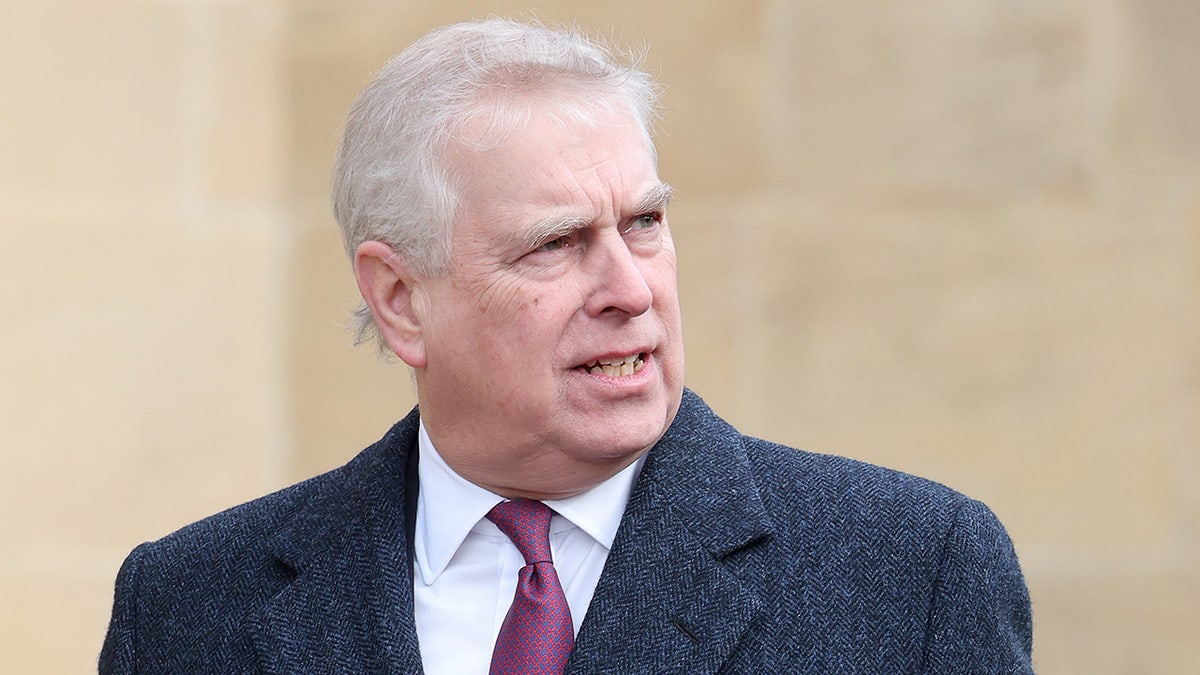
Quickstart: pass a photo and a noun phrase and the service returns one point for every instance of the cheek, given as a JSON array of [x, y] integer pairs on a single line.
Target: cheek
[[515, 316], [663, 282], [496, 300]]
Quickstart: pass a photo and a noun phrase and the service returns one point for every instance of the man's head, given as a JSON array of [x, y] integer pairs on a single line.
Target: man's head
[[390, 182], [497, 188]]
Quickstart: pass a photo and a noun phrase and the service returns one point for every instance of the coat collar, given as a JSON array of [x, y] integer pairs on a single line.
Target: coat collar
[[685, 571], [349, 607]]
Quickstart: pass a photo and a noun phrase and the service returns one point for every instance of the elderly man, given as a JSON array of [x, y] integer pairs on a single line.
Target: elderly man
[[558, 502]]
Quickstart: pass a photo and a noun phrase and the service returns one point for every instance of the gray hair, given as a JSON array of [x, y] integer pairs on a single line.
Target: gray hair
[[390, 183]]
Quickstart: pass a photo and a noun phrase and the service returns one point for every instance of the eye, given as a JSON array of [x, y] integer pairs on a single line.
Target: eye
[[553, 244], [558, 243], [644, 222]]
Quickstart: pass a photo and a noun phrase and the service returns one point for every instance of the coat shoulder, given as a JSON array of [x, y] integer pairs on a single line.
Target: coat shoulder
[[814, 493], [861, 568], [853, 488], [193, 593]]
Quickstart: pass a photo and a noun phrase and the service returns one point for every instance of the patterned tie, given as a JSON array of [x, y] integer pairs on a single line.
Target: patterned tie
[[537, 633]]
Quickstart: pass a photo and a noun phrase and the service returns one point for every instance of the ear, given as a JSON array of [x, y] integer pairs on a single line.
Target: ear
[[391, 292]]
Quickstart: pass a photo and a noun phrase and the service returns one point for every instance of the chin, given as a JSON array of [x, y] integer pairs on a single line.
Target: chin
[[630, 444]]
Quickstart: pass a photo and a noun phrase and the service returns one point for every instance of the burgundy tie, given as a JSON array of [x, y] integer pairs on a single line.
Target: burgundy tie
[[537, 633]]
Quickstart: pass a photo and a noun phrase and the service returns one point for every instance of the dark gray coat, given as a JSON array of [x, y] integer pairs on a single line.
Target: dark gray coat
[[734, 555]]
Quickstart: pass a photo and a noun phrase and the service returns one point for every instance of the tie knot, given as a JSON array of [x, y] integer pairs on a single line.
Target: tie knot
[[527, 524]]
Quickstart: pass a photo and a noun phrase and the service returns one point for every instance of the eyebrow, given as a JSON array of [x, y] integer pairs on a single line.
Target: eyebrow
[[552, 228], [657, 199]]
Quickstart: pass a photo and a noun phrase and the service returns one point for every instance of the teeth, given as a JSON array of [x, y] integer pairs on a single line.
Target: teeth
[[616, 367]]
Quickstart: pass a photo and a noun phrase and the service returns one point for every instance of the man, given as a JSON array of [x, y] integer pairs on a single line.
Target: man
[[559, 501]]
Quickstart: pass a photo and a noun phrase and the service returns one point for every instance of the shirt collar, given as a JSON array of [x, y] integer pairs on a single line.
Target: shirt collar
[[449, 506]]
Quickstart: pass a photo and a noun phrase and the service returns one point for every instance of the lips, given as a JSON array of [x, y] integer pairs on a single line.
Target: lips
[[616, 367]]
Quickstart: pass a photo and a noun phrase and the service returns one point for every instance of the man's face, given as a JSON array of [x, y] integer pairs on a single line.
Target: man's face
[[554, 349]]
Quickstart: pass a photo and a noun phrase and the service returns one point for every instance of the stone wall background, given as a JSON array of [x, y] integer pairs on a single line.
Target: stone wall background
[[956, 238]]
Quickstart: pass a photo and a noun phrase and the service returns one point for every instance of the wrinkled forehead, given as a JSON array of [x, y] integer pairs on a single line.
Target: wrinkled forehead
[[551, 171]]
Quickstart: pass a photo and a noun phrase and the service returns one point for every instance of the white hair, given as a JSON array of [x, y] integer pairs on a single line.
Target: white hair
[[390, 182]]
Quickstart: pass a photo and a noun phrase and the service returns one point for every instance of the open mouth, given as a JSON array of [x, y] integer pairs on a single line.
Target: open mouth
[[616, 367]]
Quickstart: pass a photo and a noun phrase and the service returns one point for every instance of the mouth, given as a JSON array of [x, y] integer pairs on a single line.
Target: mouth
[[617, 367]]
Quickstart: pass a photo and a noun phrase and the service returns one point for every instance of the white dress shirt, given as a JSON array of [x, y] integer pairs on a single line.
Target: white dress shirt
[[466, 569]]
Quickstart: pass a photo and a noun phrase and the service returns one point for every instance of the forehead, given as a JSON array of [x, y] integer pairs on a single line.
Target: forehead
[[543, 159]]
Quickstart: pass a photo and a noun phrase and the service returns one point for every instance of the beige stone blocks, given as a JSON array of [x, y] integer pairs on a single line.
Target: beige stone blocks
[[140, 241], [930, 98]]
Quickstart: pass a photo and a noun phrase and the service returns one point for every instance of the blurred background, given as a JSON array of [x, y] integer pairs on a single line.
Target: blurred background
[[956, 237]]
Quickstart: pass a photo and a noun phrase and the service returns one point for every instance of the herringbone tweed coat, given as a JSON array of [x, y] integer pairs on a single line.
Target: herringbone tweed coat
[[735, 555]]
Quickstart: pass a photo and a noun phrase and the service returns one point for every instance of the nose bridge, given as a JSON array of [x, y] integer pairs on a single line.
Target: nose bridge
[[619, 283]]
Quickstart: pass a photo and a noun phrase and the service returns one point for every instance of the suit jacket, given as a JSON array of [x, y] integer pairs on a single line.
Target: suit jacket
[[735, 555]]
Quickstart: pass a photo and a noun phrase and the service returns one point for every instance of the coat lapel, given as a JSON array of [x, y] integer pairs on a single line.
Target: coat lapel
[[683, 580], [349, 607]]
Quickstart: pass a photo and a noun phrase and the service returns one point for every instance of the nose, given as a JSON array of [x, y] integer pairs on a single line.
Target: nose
[[618, 283]]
